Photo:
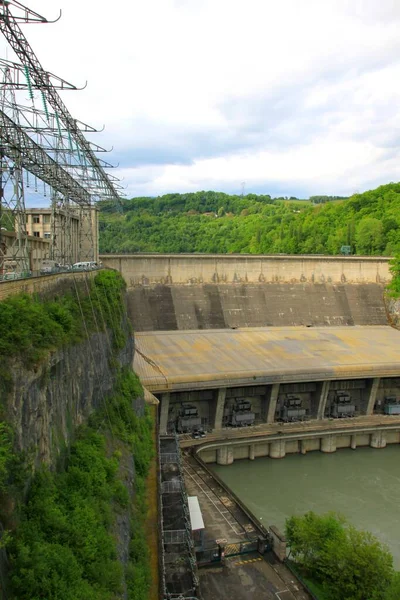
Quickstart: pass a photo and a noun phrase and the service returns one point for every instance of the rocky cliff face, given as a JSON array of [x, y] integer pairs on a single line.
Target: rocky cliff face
[[393, 311], [45, 405]]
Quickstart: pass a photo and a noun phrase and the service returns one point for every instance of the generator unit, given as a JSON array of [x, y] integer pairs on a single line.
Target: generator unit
[[392, 405], [241, 414], [188, 419], [292, 409], [342, 405]]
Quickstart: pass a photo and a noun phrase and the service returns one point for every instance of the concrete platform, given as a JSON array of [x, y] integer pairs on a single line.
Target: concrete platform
[[250, 577], [222, 519], [190, 360], [306, 429]]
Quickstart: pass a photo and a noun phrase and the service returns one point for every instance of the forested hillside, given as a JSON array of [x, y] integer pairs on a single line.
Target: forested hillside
[[217, 222]]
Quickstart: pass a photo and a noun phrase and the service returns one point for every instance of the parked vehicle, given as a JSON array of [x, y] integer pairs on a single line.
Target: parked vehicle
[[88, 265], [10, 271], [50, 266]]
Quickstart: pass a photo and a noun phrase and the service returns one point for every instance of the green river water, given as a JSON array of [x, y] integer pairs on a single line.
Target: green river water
[[363, 485]]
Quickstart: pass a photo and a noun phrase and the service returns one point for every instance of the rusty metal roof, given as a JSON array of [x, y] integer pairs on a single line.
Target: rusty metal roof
[[190, 360]]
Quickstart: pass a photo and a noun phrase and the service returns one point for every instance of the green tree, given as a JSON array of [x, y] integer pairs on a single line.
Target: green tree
[[394, 285], [350, 564], [369, 236], [393, 591]]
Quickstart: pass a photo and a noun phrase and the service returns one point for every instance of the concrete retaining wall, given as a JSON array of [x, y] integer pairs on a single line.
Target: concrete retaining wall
[[151, 269], [226, 453], [58, 283]]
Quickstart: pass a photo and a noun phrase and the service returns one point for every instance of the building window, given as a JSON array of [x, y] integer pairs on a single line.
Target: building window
[[36, 220], [36, 234], [47, 235], [46, 219]]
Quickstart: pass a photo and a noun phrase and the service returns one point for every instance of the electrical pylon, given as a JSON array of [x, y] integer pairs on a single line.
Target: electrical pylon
[[44, 141]]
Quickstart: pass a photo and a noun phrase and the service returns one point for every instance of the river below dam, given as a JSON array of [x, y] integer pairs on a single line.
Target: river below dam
[[363, 485]]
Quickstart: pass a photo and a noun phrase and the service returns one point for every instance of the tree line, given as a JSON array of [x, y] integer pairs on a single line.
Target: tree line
[[257, 224]]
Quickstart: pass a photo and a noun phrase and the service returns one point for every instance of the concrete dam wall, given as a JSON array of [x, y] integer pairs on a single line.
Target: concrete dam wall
[[212, 306], [192, 291], [176, 269]]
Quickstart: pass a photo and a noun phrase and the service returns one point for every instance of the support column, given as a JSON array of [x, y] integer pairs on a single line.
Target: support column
[[353, 442], [225, 455], [328, 444], [378, 439], [272, 403], [252, 453], [219, 409], [277, 449], [303, 447], [164, 411], [372, 395], [322, 399]]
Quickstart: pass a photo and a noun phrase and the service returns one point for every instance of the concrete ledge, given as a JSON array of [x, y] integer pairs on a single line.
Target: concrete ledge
[[311, 430], [44, 284]]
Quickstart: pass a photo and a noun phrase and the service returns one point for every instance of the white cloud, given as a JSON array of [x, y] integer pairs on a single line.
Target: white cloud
[[296, 96]]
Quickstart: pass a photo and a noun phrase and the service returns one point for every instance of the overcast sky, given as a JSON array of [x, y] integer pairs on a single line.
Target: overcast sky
[[293, 97]]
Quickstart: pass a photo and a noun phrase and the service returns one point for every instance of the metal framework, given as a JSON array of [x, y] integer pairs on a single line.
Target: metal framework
[[47, 144]]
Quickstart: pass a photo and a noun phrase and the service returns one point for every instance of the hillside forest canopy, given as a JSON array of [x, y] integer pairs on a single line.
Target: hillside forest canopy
[[257, 224]]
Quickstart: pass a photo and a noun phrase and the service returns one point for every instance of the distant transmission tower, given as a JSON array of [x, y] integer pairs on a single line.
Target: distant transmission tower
[[243, 188]]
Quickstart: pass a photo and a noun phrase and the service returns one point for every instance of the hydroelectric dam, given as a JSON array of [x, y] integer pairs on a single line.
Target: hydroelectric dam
[[270, 355], [266, 357]]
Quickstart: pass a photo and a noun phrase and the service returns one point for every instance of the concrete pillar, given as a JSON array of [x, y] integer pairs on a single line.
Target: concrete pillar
[[164, 411], [373, 389], [272, 403], [252, 453], [322, 399], [353, 442], [278, 543], [219, 409], [277, 449], [225, 455], [328, 444], [303, 447], [378, 439]]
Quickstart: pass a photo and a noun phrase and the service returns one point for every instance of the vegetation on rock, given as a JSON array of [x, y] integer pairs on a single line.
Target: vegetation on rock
[[60, 524], [394, 285], [63, 547], [31, 327]]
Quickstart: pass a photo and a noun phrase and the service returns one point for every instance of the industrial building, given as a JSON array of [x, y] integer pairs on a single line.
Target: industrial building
[[232, 378], [73, 235]]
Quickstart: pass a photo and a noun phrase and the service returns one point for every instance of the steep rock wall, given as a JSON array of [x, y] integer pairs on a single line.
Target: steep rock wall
[[393, 311], [46, 405]]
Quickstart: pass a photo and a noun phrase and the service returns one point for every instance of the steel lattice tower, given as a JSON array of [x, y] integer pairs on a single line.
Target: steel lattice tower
[[42, 142]]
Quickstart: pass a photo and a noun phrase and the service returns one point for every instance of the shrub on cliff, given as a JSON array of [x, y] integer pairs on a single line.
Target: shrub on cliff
[[30, 328], [394, 285], [63, 547]]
